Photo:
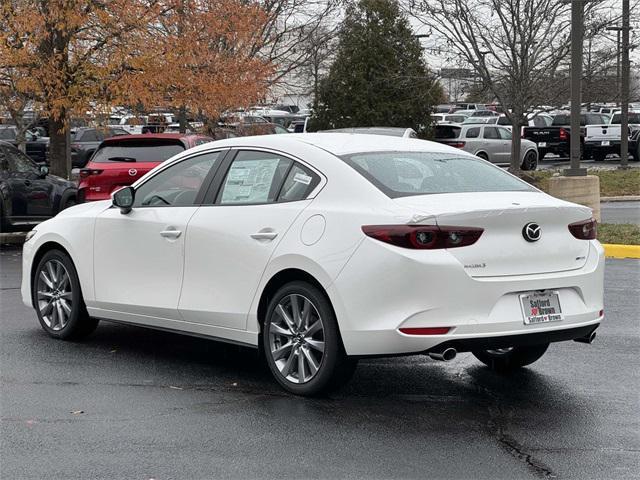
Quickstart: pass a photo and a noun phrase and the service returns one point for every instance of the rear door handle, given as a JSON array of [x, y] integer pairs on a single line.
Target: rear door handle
[[170, 233], [264, 235]]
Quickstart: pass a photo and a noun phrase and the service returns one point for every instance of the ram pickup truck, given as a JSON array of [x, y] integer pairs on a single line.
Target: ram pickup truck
[[557, 138], [601, 140]]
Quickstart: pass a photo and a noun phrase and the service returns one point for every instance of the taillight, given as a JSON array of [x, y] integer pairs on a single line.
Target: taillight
[[426, 331], [87, 172], [563, 134], [584, 230], [422, 237], [457, 144]]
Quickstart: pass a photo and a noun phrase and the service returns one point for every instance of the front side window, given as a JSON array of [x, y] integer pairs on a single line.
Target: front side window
[[178, 185], [504, 134], [253, 178], [401, 174], [19, 162]]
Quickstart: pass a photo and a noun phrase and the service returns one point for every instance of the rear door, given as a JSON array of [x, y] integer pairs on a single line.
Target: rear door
[[494, 145], [231, 240]]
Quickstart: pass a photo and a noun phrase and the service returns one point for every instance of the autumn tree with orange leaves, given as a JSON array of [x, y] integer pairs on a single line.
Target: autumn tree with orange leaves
[[71, 56]]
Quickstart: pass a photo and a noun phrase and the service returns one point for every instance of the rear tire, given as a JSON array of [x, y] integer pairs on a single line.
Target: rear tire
[[301, 341], [599, 156], [508, 360], [483, 156], [57, 298]]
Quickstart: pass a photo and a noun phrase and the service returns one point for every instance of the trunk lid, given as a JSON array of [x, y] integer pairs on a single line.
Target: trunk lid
[[502, 249]]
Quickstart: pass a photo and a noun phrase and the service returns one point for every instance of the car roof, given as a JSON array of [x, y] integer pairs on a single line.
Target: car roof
[[335, 143]]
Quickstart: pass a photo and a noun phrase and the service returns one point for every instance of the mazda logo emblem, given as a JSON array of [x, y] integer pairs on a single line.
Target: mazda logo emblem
[[133, 172], [531, 232]]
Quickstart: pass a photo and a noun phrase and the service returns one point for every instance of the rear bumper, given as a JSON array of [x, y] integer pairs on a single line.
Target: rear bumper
[[373, 299]]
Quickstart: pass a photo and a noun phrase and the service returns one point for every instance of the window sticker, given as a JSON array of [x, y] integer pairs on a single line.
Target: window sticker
[[302, 178], [249, 181]]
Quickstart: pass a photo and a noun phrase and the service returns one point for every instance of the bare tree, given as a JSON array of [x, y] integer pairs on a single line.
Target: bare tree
[[518, 48]]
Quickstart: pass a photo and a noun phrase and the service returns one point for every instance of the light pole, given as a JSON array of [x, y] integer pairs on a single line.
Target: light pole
[[624, 88], [577, 14]]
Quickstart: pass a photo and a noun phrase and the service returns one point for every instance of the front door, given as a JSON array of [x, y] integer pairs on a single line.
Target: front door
[[138, 257], [230, 241]]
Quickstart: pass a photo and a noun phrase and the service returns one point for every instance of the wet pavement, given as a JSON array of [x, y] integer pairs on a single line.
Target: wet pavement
[[140, 404]]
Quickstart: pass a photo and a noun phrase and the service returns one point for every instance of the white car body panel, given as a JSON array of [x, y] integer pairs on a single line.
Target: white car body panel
[[210, 280]]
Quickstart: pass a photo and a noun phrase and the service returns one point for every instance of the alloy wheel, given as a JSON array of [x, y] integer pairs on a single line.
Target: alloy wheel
[[296, 338], [54, 295]]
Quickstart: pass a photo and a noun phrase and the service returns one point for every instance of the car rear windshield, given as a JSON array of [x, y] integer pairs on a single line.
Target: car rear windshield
[[403, 174], [633, 118], [136, 151], [446, 132]]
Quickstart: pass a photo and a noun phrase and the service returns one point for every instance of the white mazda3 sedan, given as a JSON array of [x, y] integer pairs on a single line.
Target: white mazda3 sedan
[[324, 248]]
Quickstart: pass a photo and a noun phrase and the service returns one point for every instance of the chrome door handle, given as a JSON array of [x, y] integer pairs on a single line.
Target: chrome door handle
[[264, 235], [170, 233]]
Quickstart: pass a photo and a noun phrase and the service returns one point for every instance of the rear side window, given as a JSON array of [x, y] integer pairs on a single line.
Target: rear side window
[[254, 178], [447, 132], [89, 136], [561, 120], [298, 185], [137, 151], [7, 134], [633, 118], [401, 174], [504, 121], [473, 132]]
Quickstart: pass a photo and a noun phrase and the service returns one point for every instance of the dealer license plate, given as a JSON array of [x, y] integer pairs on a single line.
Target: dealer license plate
[[542, 144], [541, 307], [604, 143]]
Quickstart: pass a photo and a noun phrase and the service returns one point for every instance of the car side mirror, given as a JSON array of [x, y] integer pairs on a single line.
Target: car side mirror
[[44, 171], [123, 199]]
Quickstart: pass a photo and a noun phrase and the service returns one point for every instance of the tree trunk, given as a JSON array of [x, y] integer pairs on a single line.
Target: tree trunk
[[59, 148], [514, 166], [182, 119]]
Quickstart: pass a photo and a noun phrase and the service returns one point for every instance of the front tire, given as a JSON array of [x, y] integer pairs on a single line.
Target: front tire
[[58, 299], [506, 360], [530, 161], [302, 342]]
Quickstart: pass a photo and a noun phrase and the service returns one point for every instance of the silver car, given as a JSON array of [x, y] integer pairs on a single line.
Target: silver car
[[490, 142]]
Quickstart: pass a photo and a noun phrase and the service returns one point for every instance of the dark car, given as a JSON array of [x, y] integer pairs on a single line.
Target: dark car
[[28, 194], [85, 141], [557, 138], [36, 147]]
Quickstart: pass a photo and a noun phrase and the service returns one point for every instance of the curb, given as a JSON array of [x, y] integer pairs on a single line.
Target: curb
[[622, 198], [621, 251]]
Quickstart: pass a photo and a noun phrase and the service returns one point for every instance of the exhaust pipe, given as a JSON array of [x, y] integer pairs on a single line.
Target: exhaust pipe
[[588, 339], [445, 355]]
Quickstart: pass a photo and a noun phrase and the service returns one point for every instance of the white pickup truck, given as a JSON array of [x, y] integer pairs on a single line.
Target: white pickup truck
[[601, 140]]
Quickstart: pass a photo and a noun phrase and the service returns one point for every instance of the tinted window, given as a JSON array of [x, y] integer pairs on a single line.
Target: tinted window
[[114, 132], [456, 118], [401, 174], [89, 136], [504, 121], [445, 132], [254, 177], [18, 161], [136, 151], [633, 118], [7, 134], [178, 185], [490, 133], [473, 132], [561, 120], [299, 184]]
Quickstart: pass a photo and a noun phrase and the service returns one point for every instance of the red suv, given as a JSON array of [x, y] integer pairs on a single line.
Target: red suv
[[121, 160]]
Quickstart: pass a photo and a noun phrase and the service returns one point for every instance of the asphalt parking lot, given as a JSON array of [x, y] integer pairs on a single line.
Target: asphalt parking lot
[[139, 404]]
